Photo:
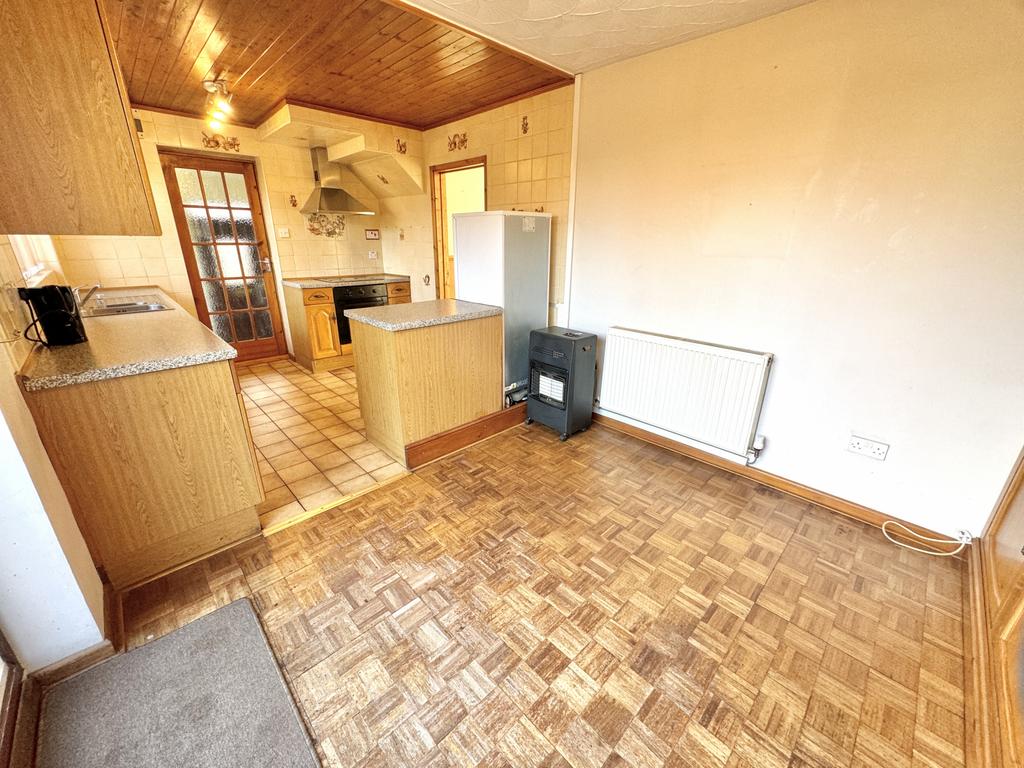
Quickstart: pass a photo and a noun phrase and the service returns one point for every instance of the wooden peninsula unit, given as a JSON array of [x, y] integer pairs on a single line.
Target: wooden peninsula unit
[[145, 427], [425, 369]]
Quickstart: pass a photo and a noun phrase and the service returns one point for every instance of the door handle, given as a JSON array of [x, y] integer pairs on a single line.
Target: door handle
[[265, 265]]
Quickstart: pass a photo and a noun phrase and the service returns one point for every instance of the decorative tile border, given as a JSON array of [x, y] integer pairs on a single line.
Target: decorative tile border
[[457, 141], [220, 141]]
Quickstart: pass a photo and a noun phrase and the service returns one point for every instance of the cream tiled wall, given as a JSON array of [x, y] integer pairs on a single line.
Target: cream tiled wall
[[282, 171], [525, 171], [13, 317], [408, 242], [14, 314]]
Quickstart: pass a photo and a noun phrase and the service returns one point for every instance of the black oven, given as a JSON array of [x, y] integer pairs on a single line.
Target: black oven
[[353, 296]]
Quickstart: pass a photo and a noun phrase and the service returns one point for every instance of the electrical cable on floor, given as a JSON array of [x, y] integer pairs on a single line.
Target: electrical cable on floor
[[963, 540]]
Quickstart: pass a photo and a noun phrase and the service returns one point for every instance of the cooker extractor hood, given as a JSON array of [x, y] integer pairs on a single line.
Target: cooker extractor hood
[[328, 196]]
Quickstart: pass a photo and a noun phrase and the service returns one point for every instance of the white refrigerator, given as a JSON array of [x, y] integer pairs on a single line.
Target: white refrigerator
[[504, 258]]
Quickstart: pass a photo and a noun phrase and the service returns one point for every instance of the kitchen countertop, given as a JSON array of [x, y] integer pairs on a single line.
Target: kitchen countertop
[[126, 345], [329, 281], [421, 314]]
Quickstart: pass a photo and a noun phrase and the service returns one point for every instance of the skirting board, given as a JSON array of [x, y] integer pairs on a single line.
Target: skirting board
[[434, 447], [72, 665], [827, 500]]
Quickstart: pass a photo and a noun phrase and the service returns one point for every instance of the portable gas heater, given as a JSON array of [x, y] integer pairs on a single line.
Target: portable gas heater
[[562, 365]]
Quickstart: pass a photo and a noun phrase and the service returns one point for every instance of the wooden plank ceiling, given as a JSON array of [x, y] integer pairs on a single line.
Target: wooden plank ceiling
[[364, 57]]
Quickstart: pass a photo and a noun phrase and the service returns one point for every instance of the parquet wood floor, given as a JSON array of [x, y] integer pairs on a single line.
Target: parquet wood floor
[[598, 603]]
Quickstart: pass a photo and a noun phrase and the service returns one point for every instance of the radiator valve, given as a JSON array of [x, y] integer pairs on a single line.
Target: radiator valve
[[755, 449]]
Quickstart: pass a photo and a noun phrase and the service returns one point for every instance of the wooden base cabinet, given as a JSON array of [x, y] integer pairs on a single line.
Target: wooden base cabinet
[[322, 326], [419, 383], [313, 323], [399, 293], [158, 467]]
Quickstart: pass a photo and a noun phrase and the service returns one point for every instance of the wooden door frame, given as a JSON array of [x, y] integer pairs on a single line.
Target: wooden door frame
[[437, 173], [171, 157], [10, 696], [993, 624]]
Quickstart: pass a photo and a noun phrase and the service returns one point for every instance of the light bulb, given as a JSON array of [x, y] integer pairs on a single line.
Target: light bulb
[[215, 124], [218, 115], [222, 104]]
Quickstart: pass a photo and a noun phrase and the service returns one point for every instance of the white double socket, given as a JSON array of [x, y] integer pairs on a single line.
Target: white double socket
[[865, 446]]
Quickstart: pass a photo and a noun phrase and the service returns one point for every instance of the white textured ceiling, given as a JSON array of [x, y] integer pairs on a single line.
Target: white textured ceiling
[[577, 35]]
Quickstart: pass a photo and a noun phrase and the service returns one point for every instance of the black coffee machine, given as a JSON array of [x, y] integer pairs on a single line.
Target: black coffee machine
[[54, 309]]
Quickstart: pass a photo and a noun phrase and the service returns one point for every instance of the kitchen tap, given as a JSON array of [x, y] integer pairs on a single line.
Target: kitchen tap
[[79, 299]]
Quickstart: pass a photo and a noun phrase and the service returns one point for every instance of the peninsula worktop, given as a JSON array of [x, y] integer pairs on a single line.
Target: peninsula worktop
[[425, 368], [145, 426], [421, 314], [126, 345]]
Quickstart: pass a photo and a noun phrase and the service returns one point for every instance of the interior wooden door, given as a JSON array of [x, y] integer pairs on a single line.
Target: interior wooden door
[[223, 237], [444, 256]]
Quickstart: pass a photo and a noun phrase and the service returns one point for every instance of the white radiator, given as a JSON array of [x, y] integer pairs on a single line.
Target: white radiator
[[699, 393]]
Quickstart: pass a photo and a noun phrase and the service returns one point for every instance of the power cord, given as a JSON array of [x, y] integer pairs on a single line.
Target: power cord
[[963, 539]]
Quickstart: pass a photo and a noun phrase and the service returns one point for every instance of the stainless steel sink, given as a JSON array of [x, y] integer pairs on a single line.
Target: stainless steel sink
[[102, 305]]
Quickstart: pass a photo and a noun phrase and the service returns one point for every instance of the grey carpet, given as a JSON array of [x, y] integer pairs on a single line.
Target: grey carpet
[[208, 695]]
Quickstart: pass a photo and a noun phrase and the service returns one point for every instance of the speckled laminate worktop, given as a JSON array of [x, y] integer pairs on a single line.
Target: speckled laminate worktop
[[126, 345], [421, 314], [329, 281]]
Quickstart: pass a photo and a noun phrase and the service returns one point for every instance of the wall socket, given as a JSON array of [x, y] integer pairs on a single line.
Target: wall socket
[[372, 254], [873, 449]]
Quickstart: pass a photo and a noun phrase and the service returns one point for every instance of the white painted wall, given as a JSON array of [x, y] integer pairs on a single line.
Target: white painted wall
[[842, 185], [51, 599]]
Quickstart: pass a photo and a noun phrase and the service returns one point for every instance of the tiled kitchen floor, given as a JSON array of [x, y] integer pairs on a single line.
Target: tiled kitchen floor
[[310, 439]]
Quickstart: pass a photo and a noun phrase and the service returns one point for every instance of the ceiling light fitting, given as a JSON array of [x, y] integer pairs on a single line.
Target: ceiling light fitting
[[218, 103]]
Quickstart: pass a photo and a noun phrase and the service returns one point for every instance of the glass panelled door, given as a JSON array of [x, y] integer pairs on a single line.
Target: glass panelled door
[[223, 237]]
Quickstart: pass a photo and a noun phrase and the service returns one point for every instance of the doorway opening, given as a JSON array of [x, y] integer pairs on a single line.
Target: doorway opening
[[223, 238], [459, 187]]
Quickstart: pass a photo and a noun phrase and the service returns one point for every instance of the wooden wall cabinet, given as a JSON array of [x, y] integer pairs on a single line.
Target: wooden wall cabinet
[[70, 160], [313, 324]]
